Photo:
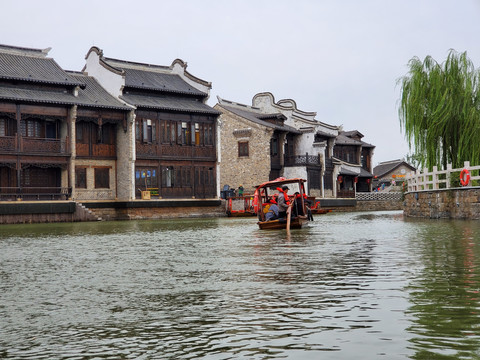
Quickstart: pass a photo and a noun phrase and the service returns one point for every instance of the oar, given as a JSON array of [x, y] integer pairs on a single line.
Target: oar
[[289, 216]]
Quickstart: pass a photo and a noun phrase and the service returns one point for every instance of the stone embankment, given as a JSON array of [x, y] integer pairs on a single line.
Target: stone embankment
[[70, 211], [454, 203]]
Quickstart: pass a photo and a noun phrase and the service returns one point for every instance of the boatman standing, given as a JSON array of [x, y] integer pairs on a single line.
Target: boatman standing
[[282, 201]]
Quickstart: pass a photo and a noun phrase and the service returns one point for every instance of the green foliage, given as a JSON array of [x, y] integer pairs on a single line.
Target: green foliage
[[455, 179], [440, 111]]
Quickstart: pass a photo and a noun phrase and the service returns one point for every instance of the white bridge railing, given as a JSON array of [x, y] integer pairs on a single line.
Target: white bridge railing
[[379, 196], [441, 179]]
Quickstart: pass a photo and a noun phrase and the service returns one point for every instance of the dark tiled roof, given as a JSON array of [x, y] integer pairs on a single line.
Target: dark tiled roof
[[324, 134], [353, 133], [257, 117], [158, 81], [36, 96], [349, 172], [345, 140], [95, 95], [365, 173], [367, 145], [169, 103], [33, 69], [385, 167]]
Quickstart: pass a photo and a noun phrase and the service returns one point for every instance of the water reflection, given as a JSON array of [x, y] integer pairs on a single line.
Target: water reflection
[[445, 314], [369, 285]]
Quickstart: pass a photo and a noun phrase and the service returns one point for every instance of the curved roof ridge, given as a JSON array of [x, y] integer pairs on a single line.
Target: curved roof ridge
[[25, 51], [184, 65], [222, 101]]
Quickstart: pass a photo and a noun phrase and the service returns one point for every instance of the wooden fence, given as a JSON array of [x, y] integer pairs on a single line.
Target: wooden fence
[[443, 179]]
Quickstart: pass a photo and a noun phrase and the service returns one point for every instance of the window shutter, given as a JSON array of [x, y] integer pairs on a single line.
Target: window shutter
[[179, 133], [145, 132]]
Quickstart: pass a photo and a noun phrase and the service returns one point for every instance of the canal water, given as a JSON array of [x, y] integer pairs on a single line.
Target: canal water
[[370, 285]]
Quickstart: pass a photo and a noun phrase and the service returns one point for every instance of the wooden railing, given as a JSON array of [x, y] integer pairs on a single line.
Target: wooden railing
[[349, 194], [441, 179], [41, 145], [8, 143], [34, 193]]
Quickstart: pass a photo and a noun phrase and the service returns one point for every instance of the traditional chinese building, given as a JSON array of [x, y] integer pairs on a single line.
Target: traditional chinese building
[[175, 130], [352, 160], [277, 139], [392, 171], [40, 105], [251, 144]]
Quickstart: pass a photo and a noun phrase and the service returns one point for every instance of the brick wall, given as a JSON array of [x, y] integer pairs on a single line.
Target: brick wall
[[248, 171]]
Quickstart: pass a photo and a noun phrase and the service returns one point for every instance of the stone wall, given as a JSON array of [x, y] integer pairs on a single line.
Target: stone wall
[[457, 203], [339, 205], [250, 170], [43, 212], [155, 209]]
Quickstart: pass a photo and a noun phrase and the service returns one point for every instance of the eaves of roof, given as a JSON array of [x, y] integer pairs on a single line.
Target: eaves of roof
[[95, 95], [169, 103], [51, 97], [344, 140], [158, 81], [256, 117]]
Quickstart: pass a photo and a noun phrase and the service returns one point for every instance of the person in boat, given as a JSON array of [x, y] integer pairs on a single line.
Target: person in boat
[[297, 205], [282, 201], [272, 213], [240, 190]]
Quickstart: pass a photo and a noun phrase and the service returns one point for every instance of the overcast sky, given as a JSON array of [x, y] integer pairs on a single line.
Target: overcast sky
[[338, 58]]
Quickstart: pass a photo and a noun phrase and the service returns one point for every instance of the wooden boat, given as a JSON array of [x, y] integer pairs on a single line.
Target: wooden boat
[[317, 210], [238, 206], [269, 189]]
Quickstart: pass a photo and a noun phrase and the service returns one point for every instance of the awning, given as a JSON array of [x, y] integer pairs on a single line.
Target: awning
[[348, 172]]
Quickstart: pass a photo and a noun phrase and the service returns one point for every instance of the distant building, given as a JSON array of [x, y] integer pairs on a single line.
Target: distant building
[[352, 161], [387, 171], [251, 144], [277, 139]]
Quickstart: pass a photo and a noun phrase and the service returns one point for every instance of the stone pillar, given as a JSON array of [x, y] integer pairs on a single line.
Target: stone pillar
[[70, 132], [126, 159]]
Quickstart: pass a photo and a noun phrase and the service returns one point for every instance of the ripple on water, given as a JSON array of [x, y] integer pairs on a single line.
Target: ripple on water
[[373, 284]]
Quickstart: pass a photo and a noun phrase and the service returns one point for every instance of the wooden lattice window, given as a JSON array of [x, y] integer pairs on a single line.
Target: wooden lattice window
[[81, 178], [243, 148], [102, 178]]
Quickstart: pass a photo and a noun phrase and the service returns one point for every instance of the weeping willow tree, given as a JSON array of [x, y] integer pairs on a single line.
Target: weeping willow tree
[[440, 110]]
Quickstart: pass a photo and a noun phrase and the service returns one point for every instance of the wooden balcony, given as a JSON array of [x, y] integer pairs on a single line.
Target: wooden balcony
[[96, 150], [175, 151], [28, 145], [39, 145], [302, 160]]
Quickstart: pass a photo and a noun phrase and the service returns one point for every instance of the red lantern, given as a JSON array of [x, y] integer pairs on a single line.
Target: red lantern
[[340, 179], [368, 181], [356, 179]]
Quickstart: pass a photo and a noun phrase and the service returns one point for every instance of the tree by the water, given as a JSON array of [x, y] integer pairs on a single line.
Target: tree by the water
[[440, 110]]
